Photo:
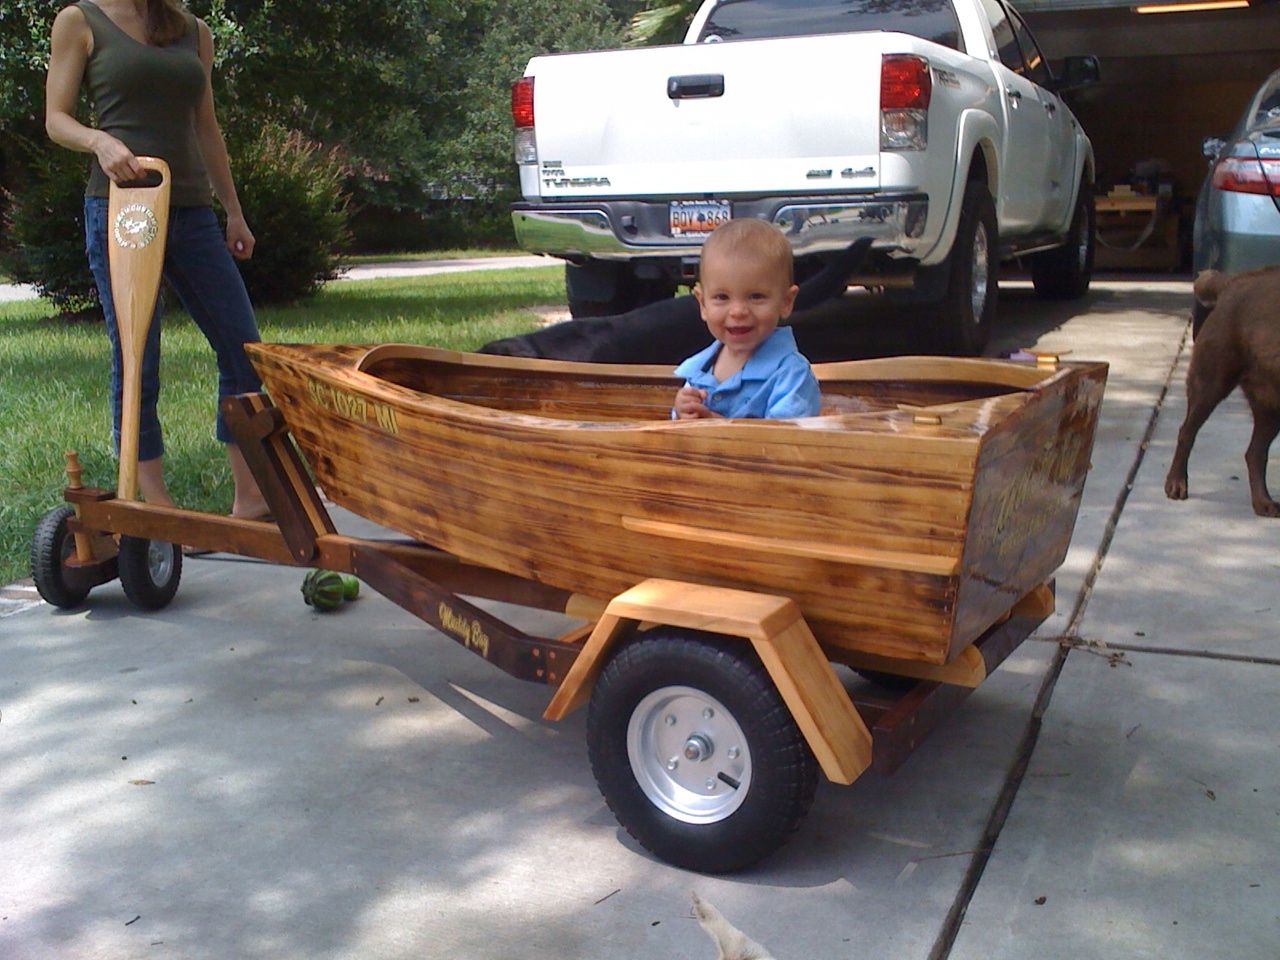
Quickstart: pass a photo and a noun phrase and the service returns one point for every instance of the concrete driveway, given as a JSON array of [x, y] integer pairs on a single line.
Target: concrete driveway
[[239, 777]]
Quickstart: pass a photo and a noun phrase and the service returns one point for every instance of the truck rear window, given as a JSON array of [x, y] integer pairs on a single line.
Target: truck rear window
[[755, 19]]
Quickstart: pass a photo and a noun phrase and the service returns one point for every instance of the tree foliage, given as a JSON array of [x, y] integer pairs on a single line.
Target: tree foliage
[[410, 97], [476, 157], [662, 24]]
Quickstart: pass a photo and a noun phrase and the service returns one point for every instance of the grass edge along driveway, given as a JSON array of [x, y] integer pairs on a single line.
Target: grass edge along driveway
[[54, 373]]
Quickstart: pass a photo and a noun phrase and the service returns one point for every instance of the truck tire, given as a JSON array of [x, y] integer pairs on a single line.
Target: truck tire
[[598, 289], [1064, 273], [52, 543], [695, 751], [967, 312]]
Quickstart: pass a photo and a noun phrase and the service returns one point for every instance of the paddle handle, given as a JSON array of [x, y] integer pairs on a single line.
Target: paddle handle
[[137, 222]]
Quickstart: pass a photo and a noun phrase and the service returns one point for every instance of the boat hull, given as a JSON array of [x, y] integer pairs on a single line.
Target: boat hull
[[933, 496]]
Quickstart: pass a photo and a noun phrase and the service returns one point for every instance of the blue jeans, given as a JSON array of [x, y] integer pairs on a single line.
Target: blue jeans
[[200, 269]]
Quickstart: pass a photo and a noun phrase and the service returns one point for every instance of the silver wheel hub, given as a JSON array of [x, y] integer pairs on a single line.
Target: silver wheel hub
[[159, 561], [688, 754], [979, 279]]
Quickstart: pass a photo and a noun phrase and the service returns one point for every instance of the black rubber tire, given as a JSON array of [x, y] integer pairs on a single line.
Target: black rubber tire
[[783, 772], [51, 543], [629, 291], [150, 571], [1065, 273], [961, 328]]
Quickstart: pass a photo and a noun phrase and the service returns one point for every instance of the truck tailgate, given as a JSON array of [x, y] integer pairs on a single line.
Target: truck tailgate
[[796, 115]]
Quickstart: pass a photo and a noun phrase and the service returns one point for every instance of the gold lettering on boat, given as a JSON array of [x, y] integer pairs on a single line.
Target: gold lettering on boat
[[352, 406], [1014, 517], [470, 632]]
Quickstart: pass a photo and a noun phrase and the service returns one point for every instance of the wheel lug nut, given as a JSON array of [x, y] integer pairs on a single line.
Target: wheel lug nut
[[670, 720], [711, 785], [707, 713], [732, 753], [673, 763]]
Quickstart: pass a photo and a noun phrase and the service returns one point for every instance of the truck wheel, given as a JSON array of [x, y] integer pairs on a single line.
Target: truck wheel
[[695, 751], [1064, 273], [598, 289], [968, 308], [149, 571], [51, 544]]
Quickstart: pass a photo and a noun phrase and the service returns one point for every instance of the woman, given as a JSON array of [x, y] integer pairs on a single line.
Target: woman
[[146, 65]]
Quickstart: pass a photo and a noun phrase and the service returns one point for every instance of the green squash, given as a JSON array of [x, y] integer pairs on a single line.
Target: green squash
[[324, 589]]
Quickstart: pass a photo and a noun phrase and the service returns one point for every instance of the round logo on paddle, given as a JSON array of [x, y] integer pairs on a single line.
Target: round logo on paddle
[[135, 226]]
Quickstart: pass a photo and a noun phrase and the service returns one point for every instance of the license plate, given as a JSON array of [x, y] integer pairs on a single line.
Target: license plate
[[697, 218]]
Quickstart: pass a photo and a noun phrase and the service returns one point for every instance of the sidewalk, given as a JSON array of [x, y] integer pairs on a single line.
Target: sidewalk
[[238, 776], [368, 271]]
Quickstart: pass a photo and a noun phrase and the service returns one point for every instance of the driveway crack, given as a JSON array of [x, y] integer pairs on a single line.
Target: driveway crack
[[946, 938]]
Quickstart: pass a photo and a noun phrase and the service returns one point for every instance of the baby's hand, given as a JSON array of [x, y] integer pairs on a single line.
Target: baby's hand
[[691, 404]]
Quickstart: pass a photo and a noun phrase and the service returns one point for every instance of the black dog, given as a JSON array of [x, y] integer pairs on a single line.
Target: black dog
[[662, 332]]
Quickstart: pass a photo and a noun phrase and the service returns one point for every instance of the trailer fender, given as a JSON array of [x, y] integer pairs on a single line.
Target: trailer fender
[[817, 700]]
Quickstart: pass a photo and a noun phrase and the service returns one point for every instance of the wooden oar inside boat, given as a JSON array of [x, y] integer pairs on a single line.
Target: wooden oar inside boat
[[138, 219]]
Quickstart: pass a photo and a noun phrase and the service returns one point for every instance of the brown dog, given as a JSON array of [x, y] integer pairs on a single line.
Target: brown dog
[[1238, 344]]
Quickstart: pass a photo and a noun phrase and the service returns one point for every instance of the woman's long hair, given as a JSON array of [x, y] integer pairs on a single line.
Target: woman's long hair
[[166, 21]]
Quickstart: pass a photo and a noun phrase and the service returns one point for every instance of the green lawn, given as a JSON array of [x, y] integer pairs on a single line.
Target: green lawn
[[53, 380]]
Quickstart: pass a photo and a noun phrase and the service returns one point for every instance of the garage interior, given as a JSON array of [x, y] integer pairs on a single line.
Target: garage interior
[[1169, 80]]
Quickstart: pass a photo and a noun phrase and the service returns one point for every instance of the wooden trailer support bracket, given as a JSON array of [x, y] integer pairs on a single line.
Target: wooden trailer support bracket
[[900, 726], [263, 439], [817, 700], [969, 668]]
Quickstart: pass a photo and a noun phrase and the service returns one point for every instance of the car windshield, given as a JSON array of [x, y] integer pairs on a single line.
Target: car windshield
[[753, 19]]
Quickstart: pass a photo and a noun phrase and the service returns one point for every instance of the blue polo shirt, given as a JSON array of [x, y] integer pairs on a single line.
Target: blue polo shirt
[[775, 381]]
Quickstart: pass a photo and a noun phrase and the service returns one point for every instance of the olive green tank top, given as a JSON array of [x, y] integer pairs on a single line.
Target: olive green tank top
[[146, 97]]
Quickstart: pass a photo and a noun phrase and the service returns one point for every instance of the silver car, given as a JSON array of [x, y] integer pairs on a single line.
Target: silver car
[[1238, 211]]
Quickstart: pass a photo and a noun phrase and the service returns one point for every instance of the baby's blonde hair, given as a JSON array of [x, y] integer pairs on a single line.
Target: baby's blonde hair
[[752, 238]]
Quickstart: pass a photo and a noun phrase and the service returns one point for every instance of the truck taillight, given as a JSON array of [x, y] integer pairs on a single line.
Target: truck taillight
[[526, 144], [1247, 175], [522, 102], [904, 82], [905, 89]]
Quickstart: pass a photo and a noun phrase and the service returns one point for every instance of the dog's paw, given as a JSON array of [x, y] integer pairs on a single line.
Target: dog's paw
[[1266, 508], [1175, 487]]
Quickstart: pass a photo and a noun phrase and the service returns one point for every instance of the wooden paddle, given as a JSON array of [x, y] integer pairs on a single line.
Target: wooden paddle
[[137, 221]]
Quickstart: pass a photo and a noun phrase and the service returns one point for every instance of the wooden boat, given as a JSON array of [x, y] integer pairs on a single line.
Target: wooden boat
[[931, 495]]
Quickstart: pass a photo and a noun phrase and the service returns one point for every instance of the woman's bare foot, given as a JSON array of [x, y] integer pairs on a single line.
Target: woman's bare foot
[[248, 503]]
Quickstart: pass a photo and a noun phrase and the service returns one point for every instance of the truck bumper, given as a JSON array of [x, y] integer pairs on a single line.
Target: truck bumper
[[630, 229]]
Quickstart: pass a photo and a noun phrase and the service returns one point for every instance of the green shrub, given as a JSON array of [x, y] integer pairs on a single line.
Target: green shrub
[[44, 228], [291, 191]]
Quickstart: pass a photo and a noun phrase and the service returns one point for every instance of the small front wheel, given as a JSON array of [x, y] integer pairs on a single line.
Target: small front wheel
[[149, 571], [52, 543], [696, 753]]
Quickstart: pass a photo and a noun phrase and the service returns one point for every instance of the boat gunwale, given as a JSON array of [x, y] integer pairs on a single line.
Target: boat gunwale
[[881, 423]]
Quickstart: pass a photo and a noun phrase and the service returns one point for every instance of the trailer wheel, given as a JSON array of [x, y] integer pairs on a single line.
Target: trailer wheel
[[149, 571], [51, 544], [968, 308], [696, 753]]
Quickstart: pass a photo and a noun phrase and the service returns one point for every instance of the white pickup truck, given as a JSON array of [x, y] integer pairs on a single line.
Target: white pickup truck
[[933, 126]]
